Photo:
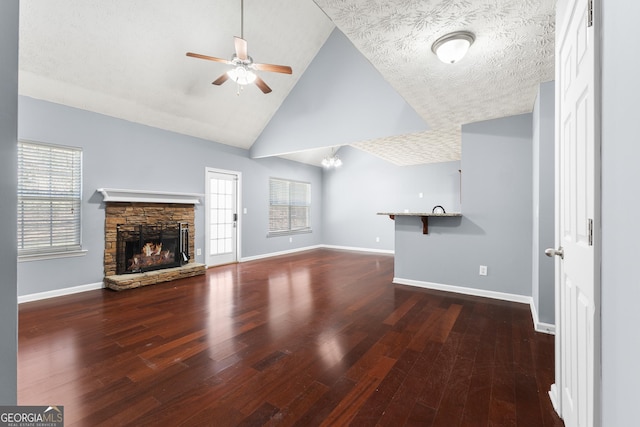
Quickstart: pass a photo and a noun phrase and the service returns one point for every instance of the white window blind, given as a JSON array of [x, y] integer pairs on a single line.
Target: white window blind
[[289, 206], [49, 198]]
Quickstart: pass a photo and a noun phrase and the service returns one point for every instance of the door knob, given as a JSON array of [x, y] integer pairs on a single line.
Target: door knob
[[551, 252]]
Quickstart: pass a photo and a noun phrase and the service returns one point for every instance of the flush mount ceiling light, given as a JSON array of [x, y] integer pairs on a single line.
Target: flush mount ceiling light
[[452, 47]]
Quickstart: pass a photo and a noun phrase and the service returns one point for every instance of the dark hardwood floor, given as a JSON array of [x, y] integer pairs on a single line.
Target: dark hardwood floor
[[315, 338]]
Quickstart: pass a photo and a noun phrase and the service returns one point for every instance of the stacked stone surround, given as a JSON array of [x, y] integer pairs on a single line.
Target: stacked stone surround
[[146, 213]]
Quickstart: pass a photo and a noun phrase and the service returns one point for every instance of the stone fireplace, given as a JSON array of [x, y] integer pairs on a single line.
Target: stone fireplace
[[147, 242]]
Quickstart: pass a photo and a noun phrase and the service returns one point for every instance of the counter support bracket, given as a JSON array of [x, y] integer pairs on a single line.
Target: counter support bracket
[[425, 224]]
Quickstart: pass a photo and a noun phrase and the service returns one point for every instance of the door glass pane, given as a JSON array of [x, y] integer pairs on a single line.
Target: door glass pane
[[222, 208]]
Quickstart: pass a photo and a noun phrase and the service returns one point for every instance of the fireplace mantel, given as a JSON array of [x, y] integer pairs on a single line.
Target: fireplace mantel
[[142, 196]]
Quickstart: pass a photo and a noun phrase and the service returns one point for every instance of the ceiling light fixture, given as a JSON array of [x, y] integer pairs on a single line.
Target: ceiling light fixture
[[242, 75], [332, 161], [452, 47]]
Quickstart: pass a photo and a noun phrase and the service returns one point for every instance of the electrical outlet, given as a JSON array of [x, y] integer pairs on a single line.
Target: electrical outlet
[[420, 195], [483, 270], [377, 239], [290, 239], [198, 251], [244, 211]]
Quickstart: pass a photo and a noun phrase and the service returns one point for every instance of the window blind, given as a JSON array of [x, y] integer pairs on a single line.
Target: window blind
[[289, 206], [49, 198]]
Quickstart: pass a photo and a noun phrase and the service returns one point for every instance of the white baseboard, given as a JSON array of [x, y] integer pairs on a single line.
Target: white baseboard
[[545, 328], [356, 249], [553, 395], [60, 292], [272, 254], [462, 290]]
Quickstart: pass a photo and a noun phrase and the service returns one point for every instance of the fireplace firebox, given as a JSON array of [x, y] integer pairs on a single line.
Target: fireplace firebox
[[144, 247]]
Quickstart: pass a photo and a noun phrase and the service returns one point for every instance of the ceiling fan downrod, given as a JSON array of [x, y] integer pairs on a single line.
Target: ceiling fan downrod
[[241, 19]]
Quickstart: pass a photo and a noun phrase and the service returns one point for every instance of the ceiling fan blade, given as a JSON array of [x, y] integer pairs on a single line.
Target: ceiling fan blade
[[223, 78], [273, 68], [209, 58], [241, 48], [262, 85]]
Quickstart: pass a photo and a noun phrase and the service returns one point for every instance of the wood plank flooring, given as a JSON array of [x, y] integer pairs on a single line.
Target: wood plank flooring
[[317, 338]]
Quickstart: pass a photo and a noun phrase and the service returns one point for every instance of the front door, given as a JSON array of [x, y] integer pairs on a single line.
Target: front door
[[577, 217], [221, 217]]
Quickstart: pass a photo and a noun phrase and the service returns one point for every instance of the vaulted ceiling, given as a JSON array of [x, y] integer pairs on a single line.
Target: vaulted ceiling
[[127, 59]]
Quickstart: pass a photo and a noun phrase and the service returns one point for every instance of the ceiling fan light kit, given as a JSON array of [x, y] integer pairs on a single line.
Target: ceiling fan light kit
[[452, 47], [242, 75], [242, 72]]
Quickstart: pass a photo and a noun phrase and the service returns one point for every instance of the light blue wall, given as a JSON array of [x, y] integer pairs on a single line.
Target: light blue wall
[[543, 281], [495, 229], [365, 185], [8, 191], [340, 99], [121, 154], [620, 287]]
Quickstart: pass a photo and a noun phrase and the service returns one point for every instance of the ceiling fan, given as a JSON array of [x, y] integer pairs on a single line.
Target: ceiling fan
[[243, 66]]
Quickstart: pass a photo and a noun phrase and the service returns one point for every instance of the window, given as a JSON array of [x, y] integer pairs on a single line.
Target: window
[[49, 198], [289, 207]]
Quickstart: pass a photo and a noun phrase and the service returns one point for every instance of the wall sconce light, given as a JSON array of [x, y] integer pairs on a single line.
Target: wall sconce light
[[452, 47]]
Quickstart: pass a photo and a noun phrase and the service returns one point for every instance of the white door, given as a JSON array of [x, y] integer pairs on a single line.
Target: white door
[[221, 217], [577, 218]]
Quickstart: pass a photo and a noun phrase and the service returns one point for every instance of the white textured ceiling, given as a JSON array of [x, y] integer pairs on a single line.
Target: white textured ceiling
[[127, 59], [511, 55]]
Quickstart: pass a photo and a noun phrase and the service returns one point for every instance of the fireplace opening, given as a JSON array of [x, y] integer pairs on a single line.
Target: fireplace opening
[[144, 247]]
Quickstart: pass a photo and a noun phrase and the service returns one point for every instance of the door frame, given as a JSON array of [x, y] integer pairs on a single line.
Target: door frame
[[239, 209]]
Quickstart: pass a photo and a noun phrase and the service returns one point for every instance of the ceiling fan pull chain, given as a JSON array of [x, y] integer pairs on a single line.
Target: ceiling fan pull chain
[[241, 19]]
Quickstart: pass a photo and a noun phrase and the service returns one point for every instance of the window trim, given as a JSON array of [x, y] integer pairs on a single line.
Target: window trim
[[50, 252], [52, 255], [290, 232]]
